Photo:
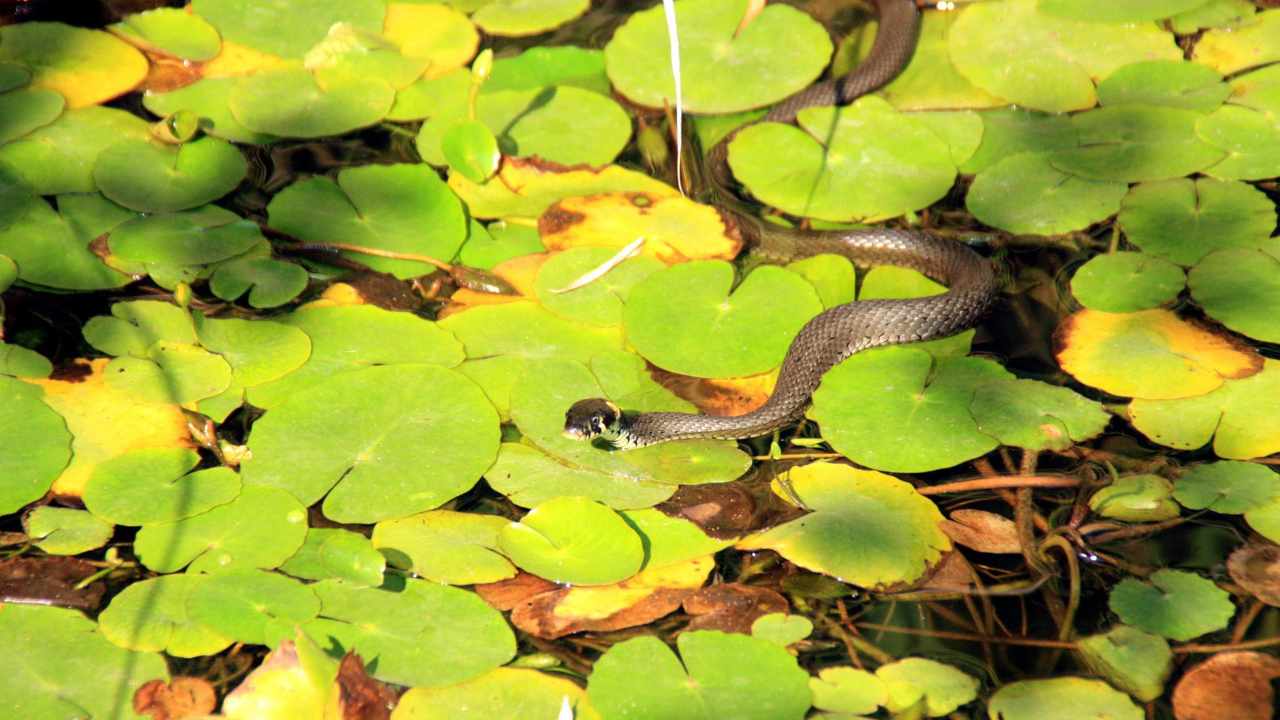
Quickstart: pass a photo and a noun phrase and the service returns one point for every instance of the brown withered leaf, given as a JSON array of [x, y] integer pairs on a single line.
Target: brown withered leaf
[[1256, 568], [720, 396], [360, 696], [182, 697], [722, 510], [1235, 685], [506, 594], [732, 607], [983, 531], [50, 581]]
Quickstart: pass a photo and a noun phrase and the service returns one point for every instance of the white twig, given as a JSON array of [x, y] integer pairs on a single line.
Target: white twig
[[669, 9], [604, 267]]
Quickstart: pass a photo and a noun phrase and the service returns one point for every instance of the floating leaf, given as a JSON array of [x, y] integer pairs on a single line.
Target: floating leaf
[[864, 527], [1250, 140], [135, 326], [207, 98], [1176, 604], [252, 606], [22, 111], [170, 373], [529, 476], [573, 540], [1253, 42], [1011, 131], [599, 302], [848, 690], [1025, 193], [51, 248], [502, 692], [780, 51], [286, 27], [1232, 684], [18, 361], [1256, 568], [1227, 487], [446, 546], [1127, 281], [296, 679], [929, 81], [1061, 698], [155, 177], [157, 485], [1137, 662], [1129, 143], [514, 18], [87, 67], [1213, 14], [152, 615], [171, 31], [258, 351], [1266, 520], [782, 628], [1183, 220], [472, 150], [500, 241], [1170, 83], [195, 237], [38, 443], [941, 687], [65, 531], [270, 283], [290, 103], [59, 157], [432, 31], [1101, 11], [332, 553], [524, 187], [674, 228], [1241, 289], [1136, 498], [1036, 416]]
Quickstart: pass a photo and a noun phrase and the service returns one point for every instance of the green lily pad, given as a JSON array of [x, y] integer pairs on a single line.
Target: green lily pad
[[782, 628], [1135, 661], [348, 53], [1011, 131], [1026, 194], [87, 67], [18, 361], [941, 687], [290, 103], [1127, 281], [1101, 11], [543, 66], [1058, 58], [1036, 416], [599, 302], [529, 476], [863, 160], [1136, 498], [1240, 288], [960, 129], [929, 81], [1176, 604], [498, 242], [68, 669], [514, 18], [258, 351], [1253, 42], [64, 531], [502, 692], [1227, 487], [471, 149], [171, 31], [1178, 84], [207, 98], [270, 283], [1266, 520], [525, 187], [352, 337], [39, 443], [717, 675], [831, 275], [1183, 220], [170, 373], [195, 237], [445, 546], [154, 177], [1250, 139], [1129, 143], [1259, 90], [686, 319], [333, 553], [779, 52], [135, 326], [848, 690], [260, 528], [400, 208], [157, 485], [1213, 14], [22, 111], [898, 409], [865, 527], [252, 606], [670, 540], [152, 615], [1061, 698], [51, 247], [381, 425], [59, 157], [286, 27], [573, 540], [410, 633], [529, 331]]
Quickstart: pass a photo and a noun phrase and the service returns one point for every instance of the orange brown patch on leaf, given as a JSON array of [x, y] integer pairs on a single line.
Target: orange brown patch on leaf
[[519, 272], [732, 607], [360, 696], [1234, 685], [1256, 567], [180, 698], [983, 531], [720, 396]]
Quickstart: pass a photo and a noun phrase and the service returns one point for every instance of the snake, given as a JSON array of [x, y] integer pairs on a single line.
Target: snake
[[839, 332]]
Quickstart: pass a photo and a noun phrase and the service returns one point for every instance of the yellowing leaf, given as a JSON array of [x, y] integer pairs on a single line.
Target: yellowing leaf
[[525, 187], [519, 272], [235, 60], [674, 228], [1152, 354], [88, 67], [433, 31]]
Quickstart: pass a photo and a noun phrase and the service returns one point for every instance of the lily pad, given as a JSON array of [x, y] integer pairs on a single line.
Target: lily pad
[[1249, 139], [1227, 487], [170, 373], [207, 98], [51, 247], [529, 476], [1176, 604], [252, 606], [348, 53], [1241, 289], [1101, 11], [1129, 143], [865, 527], [333, 553], [471, 149], [1010, 131], [87, 67], [59, 157], [445, 546], [1136, 498], [864, 160], [410, 632], [929, 81], [1183, 220], [941, 687], [1253, 42], [22, 111], [573, 540], [258, 351], [260, 528], [171, 31], [780, 51], [543, 66], [38, 441], [195, 237], [1127, 281], [1213, 14], [1131, 659], [599, 302], [717, 675], [65, 531], [398, 208], [18, 361], [1025, 193], [290, 103], [782, 628], [502, 692], [1061, 698], [524, 187], [432, 31], [155, 177], [848, 690], [674, 228], [157, 485], [381, 425], [515, 18], [286, 27], [686, 319], [152, 615], [269, 283], [1178, 84], [135, 326], [1036, 416]]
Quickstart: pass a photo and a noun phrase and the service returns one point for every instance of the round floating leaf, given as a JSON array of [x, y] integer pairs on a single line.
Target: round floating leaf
[[381, 426], [157, 177], [1106, 12], [1241, 289], [848, 690], [20, 362], [1176, 604], [59, 157], [782, 628], [780, 51], [1036, 416], [207, 98], [1238, 416], [1178, 84], [66, 668], [1227, 487], [1127, 281], [13, 76], [348, 53], [399, 208], [1183, 220], [1130, 659], [38, 444], [1213, 14], [1058, 58], [866, 528], [471, 149], [171, 31], [671, 540], [290, 103], [286, 27], [524, 187], [1025, 193], [1266, 520], [434, 32], [1136, 498], [1062, 698], [445, 546], [51, 248], [942, 687], [599, 302], [1129, 143], [489, 246], [1250, 140], [22, 111], [260, 528], [502, 692], [257, 350], [1253, 42], [135, 326], [195, 237], [1152, 354], [410, 633], [573, 540], [832, 276], [930, 81], [522, 17], [686, 318], [157, 485], [529, 476], [541, 66], [252, 606], [170, 373], [674, 228], [152, 615], [1010, 131], [524, 329], [898, 409], [64, 531], [87, 67], [863, 160], [270, 283], [331, 553]]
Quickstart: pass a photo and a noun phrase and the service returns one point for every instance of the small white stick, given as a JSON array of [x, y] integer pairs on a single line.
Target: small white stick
[[604, 267], [669, 9]]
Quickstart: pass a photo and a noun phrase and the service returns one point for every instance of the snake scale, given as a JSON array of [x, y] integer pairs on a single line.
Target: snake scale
[[840, 331]]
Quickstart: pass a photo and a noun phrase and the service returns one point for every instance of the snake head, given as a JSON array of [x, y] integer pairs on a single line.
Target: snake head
[[591, 418]]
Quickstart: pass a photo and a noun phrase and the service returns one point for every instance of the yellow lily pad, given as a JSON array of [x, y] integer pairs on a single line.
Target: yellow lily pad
[[236, 60], [1251, 43], [1153, 354], [438, 32], [88, 67], [675, 228], [525, 187]]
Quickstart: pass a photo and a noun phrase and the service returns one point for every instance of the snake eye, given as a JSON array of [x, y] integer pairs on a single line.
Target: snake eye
[[590, 418]]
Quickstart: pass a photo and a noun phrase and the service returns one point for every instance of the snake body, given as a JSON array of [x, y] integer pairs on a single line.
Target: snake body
[[841, 331]]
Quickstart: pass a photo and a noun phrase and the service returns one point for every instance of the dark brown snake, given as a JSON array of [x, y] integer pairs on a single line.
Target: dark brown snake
[[841, 331]]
